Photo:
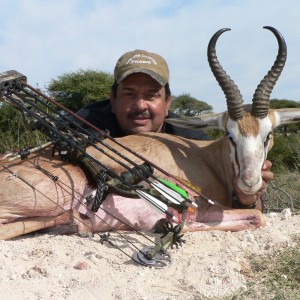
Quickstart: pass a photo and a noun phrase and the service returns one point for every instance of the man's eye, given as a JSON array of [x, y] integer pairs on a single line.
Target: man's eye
[[153, 96], [128, 94]]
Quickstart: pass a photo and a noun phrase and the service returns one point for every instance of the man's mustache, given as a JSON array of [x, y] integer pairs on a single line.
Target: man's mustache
[[144, 114]]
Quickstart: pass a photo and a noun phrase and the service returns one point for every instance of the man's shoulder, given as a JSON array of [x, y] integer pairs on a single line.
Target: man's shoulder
[[95, 109], [99, 105], [100, 115]]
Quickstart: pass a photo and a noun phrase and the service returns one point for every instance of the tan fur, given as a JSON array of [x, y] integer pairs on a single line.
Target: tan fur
[[272, 118], [248, 125], [206, 164], [188, 159]]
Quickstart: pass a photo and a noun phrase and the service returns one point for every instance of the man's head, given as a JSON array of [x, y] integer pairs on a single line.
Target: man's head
[[140, 96]]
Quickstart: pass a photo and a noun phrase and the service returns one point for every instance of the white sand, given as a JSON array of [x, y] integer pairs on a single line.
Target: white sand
[[48, 266]]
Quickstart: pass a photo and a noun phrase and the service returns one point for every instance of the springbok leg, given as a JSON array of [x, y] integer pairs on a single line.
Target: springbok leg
[[226, 219], [11, 230]]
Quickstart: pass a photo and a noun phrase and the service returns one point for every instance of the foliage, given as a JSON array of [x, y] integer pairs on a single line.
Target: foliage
[[77, 89], [14, 134], [185, 105], [214, 133], [283, 192], [274, 277], [285, 154], [283, 103]]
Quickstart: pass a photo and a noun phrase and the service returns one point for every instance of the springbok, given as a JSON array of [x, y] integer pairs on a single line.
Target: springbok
[[30, 199]]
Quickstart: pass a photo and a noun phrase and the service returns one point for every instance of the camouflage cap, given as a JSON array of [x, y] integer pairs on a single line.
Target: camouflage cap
[[141, 61]]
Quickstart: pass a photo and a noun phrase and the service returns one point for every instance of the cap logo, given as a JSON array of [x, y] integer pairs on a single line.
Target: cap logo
[[141, 59]]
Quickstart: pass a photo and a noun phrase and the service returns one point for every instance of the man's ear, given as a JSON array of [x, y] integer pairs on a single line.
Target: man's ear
[[168, 103], [112, 102]]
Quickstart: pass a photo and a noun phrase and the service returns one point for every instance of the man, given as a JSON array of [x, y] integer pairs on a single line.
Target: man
[[140, 99]]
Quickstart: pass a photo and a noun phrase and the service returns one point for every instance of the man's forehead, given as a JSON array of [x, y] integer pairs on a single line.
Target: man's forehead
[[137, 81], [138, 87]]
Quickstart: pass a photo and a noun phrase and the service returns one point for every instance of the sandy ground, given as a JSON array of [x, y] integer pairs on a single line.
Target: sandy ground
[[49, 266]]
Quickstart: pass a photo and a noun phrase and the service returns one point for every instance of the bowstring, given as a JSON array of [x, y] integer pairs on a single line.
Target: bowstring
[[65, 187], [87, 140], [107, 135]]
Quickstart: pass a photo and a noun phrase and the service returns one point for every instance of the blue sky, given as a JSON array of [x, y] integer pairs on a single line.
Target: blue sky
[[45, 38]]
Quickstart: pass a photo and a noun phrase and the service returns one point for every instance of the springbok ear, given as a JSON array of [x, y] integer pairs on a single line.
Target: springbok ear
[[203, 121], [286, 116]]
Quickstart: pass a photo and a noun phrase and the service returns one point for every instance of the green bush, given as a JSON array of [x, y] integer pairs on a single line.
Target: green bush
[[14, 133], [77, 89], [285, 154]]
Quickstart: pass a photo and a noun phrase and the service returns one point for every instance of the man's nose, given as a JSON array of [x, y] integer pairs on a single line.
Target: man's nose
[[140, 102]]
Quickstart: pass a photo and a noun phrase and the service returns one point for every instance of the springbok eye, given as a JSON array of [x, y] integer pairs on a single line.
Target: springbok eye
[[266, 142], [230, 138]]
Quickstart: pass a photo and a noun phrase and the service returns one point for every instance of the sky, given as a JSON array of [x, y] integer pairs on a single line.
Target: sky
[[44, 39]]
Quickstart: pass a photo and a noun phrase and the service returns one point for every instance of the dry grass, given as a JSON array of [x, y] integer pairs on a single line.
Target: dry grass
[[283, 192], [274, 277]]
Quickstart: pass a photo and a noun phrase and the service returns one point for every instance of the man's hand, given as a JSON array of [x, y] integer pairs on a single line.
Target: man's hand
[[267, 175], [246, 200]]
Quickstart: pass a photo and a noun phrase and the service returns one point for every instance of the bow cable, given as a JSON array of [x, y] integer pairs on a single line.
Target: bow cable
[[88, 141], [107, 135], [64, 186], [145, 257]]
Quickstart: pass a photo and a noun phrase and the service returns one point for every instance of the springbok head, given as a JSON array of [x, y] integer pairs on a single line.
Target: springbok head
[[248, 127]]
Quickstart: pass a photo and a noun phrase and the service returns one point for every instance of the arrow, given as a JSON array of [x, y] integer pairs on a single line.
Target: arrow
[[158, 205], [172, 192]]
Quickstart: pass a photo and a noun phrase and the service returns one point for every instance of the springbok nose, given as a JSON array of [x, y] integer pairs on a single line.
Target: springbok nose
[[250, 180]]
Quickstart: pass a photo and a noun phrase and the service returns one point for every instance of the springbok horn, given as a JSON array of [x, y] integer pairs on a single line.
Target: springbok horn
[[260, 102], [232, 93]]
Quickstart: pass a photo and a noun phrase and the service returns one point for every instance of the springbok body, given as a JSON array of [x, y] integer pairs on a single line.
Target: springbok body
[[30, 199], [49, 199]]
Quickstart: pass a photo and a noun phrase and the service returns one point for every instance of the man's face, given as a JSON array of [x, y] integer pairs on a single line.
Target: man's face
[[140, 104]]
